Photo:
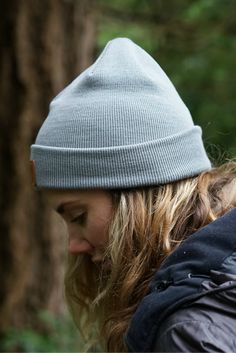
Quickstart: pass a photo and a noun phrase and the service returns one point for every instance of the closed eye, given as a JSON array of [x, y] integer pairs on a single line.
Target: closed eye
[[80, 219]]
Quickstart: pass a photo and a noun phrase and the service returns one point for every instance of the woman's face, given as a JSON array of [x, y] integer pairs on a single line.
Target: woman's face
[[87, 214]]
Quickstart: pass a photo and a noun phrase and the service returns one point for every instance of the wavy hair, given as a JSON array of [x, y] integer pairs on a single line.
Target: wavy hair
[[147, 225]]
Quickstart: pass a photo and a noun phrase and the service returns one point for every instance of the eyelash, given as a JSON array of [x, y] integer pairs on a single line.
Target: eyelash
[[81, 219]]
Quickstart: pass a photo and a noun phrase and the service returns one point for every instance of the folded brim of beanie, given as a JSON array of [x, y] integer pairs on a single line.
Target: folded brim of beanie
[[149, 163]]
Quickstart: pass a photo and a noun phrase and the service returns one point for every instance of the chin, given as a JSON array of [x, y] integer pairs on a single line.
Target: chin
[[97, 260]]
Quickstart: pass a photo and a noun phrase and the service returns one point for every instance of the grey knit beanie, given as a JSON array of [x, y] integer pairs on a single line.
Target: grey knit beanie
[[119, 124]]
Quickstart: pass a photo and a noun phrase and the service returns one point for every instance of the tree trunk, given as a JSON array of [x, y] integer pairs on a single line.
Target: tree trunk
[[44, 44]]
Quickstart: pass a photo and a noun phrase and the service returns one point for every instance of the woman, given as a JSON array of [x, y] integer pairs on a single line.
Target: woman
[[151, 225]]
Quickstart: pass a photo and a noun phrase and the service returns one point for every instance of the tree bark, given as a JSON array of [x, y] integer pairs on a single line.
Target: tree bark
[[44, 44]]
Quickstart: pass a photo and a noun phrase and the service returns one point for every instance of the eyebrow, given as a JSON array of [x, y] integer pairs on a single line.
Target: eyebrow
[[61, 208]]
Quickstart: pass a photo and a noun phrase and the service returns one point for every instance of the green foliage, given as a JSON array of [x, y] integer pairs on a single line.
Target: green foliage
[[57, 334], [195, 43]]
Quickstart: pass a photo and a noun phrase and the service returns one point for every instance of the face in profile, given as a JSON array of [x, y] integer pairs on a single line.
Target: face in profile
[[87, 215]]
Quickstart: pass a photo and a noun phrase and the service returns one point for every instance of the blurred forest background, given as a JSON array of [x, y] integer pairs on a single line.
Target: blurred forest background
[[44, 44]]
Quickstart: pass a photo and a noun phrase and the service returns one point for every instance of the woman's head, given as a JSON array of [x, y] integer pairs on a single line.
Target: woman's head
[[121, 160]]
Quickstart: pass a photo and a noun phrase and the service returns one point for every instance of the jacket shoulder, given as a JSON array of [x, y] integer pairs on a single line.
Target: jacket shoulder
[[206, 325], [194, 336]]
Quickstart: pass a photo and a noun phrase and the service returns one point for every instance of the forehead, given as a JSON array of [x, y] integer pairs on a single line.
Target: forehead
[[55, 197]]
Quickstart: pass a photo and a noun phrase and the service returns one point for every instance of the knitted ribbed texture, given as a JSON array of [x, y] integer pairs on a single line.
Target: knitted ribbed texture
[[119, 124]]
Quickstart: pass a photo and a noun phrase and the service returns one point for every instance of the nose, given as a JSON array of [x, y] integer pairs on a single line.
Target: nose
[[79, 246]]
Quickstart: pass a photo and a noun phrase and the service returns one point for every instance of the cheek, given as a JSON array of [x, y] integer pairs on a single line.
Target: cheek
[[98, 231]]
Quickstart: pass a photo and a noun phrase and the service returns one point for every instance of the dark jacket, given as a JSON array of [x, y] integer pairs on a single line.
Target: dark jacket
[[191, 305]]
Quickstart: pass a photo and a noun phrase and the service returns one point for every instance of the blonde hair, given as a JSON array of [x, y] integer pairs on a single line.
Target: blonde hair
[[148, 224]]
